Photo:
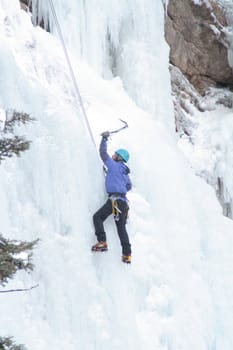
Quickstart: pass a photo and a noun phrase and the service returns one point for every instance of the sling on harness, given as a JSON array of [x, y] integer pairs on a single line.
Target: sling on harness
[[115, 209]]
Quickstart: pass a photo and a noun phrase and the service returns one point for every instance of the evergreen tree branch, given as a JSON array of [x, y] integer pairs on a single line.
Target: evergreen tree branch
[[16, 119], [13, 146], [10, 259], [19, 289], [7, 343]]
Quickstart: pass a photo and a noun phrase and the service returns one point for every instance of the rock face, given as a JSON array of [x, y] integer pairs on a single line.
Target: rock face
[[201, 80], [24, 4], [198, 44]]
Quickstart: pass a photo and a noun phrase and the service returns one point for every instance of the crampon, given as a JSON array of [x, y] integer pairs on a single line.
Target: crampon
[[100, 247]]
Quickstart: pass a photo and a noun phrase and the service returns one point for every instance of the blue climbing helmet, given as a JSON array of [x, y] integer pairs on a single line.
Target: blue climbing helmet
[[123, 153]]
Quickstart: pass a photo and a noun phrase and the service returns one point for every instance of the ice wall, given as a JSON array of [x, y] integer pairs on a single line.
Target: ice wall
[[119, 38], [177, 293]]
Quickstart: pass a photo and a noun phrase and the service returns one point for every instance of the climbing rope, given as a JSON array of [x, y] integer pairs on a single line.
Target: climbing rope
[[71, 70]]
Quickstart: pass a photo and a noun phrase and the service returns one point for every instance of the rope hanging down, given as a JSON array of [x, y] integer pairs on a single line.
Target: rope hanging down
[[71, 70]]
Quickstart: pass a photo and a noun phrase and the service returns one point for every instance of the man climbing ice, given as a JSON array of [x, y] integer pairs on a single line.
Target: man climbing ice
[[117, 184]]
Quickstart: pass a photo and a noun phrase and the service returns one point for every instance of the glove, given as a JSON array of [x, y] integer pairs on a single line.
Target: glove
[[105, 134]]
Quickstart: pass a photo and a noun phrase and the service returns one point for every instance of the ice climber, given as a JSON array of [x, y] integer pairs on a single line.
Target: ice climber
[[117, 184]]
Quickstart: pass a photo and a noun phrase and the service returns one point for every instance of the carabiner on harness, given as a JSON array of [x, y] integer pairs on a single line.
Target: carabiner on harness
[[115, 210]]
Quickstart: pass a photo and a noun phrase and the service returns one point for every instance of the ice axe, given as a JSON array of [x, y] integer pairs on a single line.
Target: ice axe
[[108, 133], [123, 127]]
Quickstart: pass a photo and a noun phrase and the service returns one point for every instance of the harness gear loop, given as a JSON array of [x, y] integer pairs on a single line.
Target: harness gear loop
[[115, 210]]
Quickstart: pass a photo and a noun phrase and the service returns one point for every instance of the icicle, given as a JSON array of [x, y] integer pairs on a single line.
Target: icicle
[[41, 14], [117, 38]]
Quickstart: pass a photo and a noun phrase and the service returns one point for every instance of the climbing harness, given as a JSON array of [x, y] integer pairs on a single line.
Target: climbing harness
[[81, 105]]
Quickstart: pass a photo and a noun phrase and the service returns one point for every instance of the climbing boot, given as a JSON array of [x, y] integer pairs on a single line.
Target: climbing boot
[[100, 247], [126, 259]]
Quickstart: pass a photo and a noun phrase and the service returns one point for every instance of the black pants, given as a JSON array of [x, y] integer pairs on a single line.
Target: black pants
[[101, 215]]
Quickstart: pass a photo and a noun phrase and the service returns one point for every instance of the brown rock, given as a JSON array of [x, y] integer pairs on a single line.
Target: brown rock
[[24, 4], [197, 43]]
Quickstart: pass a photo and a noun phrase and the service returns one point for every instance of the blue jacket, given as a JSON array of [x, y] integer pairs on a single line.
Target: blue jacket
[[117, 178]]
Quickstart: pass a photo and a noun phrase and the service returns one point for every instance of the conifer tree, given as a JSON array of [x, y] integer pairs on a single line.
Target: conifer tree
[[12, 144], [14, 255], [7, 343]]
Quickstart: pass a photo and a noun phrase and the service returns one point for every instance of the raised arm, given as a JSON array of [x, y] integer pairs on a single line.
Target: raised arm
[[103, 150]]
